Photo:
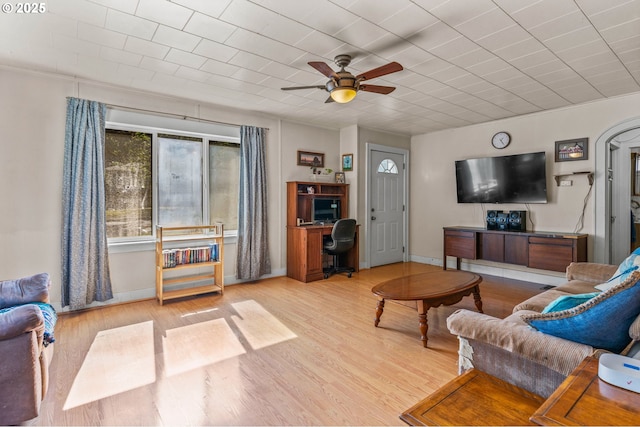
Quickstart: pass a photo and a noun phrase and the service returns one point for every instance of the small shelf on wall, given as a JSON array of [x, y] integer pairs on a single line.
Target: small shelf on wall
[[589, 175]]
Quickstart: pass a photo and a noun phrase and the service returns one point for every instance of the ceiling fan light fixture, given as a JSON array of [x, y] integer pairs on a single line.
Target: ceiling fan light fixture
[[343, 95]]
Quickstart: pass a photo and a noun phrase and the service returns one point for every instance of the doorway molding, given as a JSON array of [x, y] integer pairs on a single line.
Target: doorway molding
[[367, 206], [602, 207]]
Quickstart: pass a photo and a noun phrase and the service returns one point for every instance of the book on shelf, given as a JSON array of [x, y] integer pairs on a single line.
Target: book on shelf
[[181, 256]]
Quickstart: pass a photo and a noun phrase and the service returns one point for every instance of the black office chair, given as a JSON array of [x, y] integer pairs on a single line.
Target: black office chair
[[342, 240]]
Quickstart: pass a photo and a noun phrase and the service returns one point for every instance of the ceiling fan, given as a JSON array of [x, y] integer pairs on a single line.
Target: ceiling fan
[[343, 86]]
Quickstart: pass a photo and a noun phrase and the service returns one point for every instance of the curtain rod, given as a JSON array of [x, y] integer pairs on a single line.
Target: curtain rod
[[179, 116]]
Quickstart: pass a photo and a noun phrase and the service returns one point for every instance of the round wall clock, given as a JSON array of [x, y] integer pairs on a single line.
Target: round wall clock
[[501, 140]]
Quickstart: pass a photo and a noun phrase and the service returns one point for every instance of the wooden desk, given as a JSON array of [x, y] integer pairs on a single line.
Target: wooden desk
[[584, 399], [474, 399], [305, 252]]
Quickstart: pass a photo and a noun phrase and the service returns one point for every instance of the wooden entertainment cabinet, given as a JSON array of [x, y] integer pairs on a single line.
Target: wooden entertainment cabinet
[[542, 250]]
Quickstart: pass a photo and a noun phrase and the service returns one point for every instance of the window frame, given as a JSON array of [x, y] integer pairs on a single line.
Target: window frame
[[131, 244]]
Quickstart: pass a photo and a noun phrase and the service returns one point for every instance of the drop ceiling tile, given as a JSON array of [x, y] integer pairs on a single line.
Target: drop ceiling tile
[[249, 60], [120, 56], [501, 75], [82, 10], [147, 48], [214, 50], [181, 57], [220, 68], [560, 25], [96, 68], [487, 67], [318, 44], [359, 33], [578, 93], [627, 44], [465, 80], [158, 66], [381, 12], [432, 66], [569, 40], [174, 38], [491, 22], [209, 28], [164, 12], [603, 68], [454, 15], [72, 44], [561, 74], [293, 9], [472, 57], [263, 21], [101, 36], [327, 17], [616, 15], [191, 74], [209, 7], [249, 76], [454, 48], [580, 52], [129, 24], [408, 21], [542, 61], [504, 37], [622, 31], [262, 46], [126, 6], [275, 69], [594, 60], [435, 35], [411, 56], [137, 73], [54, 24], [617, 87], [520, 49], [542, 11]]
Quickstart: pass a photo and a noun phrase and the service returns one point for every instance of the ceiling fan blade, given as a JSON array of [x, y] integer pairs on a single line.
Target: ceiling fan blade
[[385, 90], [304, 87], [323, 68], [391, 67]]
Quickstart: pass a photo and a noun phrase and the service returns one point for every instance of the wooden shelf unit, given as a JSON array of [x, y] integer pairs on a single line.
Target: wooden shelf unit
[[184, 238], [299, 200]]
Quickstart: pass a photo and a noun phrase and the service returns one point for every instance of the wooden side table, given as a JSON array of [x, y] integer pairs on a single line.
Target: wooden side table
[[474, 399], [584, 399]]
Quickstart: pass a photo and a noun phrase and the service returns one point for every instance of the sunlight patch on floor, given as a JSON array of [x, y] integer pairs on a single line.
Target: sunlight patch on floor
[[194, 346], [259, 327], [118, 360]]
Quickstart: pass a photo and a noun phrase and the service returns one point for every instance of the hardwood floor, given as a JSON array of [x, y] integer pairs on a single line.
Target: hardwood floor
[[273, 352]]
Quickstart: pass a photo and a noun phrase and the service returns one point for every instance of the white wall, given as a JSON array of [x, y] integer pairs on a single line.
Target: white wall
[[32, 123], [433, 187]]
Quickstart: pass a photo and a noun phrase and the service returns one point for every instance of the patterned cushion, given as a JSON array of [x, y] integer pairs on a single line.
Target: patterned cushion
[[50, 318], [602, 322], [626, 267]]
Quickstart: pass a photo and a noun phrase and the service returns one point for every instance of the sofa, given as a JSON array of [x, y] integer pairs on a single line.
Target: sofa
[[27, 322], [536, 349]]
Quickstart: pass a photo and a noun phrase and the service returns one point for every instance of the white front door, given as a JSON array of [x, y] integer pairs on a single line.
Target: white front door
[[386, 207]]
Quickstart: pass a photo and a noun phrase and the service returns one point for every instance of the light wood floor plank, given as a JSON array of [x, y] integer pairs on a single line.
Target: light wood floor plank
[[330, 367]]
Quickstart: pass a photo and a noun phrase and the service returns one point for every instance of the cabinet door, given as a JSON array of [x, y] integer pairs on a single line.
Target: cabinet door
[[461, 244], [550, 253], [516, 249], [314, 251], [492, 247]]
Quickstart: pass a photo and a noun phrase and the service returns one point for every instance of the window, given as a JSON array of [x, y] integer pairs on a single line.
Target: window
[[388, 166], [154, 176]]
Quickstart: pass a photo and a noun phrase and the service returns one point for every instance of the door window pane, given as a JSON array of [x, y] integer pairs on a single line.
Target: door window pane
[[128, 183], [179, 180]]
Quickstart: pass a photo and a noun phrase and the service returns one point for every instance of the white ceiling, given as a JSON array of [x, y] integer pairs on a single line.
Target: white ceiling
[[466, 61]]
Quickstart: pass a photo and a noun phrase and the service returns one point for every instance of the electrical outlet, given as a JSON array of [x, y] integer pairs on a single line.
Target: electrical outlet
[[566, 183]]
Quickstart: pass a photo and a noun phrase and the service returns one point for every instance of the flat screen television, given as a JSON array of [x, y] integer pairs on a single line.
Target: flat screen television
[[325, 210], [520, 178]]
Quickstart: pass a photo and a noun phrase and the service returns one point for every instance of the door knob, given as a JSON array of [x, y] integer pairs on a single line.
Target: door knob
[[373, 218]]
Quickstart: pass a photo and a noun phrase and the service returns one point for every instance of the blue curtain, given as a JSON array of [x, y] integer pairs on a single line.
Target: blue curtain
[[85, 264], [253, 243]]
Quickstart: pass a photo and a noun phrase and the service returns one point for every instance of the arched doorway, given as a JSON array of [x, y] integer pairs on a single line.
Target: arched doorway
[[613, 191]]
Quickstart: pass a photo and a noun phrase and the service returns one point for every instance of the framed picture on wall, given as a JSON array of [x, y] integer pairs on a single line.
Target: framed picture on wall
[[311, 159], [572, 149], [347, 162], [340, 177]]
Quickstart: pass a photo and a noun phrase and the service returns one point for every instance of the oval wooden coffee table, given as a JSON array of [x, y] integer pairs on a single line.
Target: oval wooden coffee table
[[432, 289]]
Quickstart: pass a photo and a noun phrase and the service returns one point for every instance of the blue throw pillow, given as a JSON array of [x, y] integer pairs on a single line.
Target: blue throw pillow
[[568, 301], [602, 322]]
